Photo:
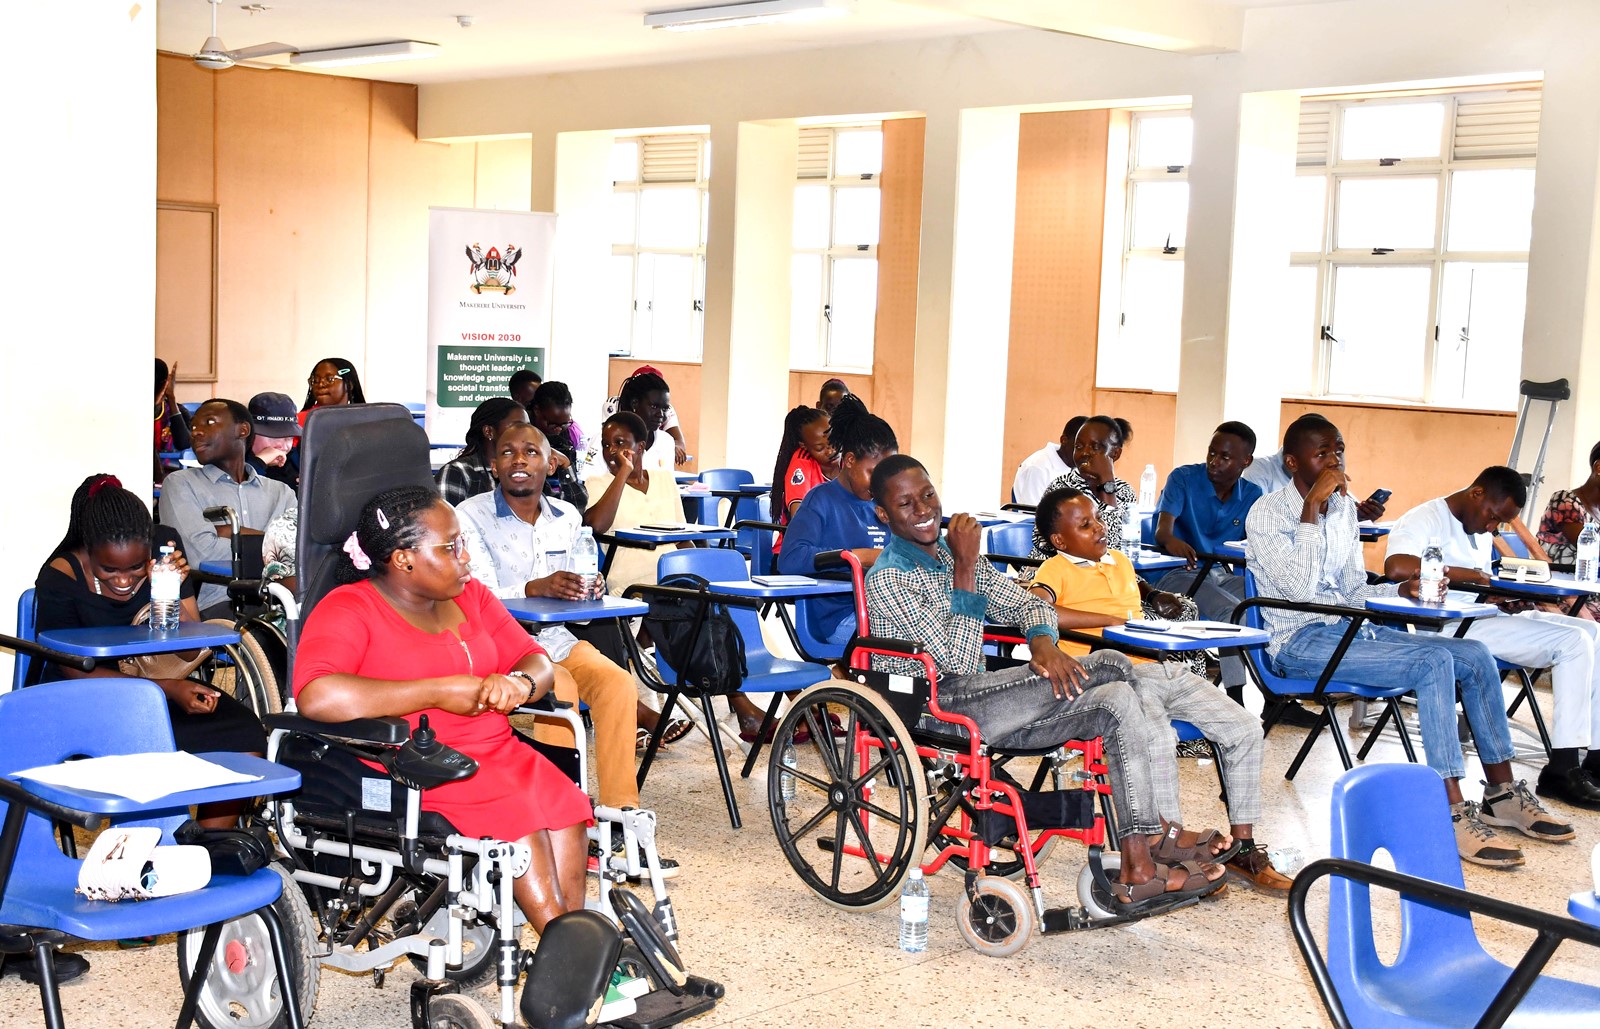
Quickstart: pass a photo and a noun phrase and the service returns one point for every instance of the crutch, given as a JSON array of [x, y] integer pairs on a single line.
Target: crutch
[[1553, 392]]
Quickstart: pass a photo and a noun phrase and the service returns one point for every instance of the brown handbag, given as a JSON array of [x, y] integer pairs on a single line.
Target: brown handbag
[[171, 665]]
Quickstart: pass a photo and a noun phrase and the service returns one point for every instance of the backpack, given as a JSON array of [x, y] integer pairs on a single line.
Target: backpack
[[698, 638]]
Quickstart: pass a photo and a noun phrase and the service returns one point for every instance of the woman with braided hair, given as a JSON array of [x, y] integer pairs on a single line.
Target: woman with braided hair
[[413, 634]]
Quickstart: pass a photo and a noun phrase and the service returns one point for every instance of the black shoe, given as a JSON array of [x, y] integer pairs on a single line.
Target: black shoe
[[1296, 714], [1573, 787], [69, 966]]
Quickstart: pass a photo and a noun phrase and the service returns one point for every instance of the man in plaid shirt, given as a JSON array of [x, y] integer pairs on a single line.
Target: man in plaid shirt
[[939, 593]]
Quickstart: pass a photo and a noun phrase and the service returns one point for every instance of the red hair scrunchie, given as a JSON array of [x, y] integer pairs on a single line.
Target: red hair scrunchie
[[104, 481]]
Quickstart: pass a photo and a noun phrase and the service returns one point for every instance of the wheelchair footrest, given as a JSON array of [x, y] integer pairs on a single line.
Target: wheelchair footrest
[[660, 1008]]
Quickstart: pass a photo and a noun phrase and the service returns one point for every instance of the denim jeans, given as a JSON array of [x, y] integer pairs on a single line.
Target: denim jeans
[[1216, 598], [1431, 664], [1016, 709]]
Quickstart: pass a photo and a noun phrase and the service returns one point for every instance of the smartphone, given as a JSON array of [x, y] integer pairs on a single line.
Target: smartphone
[[1380, 496]]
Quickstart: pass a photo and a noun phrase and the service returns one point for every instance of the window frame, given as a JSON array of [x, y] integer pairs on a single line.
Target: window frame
[[822, 358], [627, 346]]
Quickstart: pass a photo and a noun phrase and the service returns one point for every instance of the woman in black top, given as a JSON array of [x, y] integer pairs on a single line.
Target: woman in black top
[[99, 576]]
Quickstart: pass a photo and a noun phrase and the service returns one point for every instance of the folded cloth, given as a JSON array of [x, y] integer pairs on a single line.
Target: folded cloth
[[127, 863]]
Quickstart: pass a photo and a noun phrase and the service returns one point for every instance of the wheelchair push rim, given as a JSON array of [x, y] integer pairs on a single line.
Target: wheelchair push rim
[[857, 822]]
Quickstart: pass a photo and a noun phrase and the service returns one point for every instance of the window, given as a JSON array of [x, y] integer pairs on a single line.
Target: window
[[1411, 221], [658, 247], [1140, 350], [833, 271]]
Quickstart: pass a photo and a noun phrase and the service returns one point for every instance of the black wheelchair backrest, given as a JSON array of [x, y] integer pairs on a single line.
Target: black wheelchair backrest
[[349, 455]]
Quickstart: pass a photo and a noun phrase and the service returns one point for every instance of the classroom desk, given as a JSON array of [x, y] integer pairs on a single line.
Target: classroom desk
[[688, 533], [685, 477], [222, 568], [1147, 560], [275, 778], [989, 519], [1416, 610], [549, 611], [1172, 642], [132, 640], [1584, 906], [1371, 532], [1561, 584], [782, 591]]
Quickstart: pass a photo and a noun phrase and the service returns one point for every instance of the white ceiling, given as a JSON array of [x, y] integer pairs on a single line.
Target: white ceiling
[[511, 37]]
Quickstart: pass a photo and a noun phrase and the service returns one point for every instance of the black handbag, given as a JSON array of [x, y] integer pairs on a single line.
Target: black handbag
[[698, 638], [233, 851]]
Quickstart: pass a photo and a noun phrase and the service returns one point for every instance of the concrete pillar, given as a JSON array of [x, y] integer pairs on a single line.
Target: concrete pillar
[[744, 373], [580, 346], [935, 267]]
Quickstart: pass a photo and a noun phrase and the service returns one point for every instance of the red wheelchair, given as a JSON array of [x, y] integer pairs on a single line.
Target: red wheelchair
[[869, 777]]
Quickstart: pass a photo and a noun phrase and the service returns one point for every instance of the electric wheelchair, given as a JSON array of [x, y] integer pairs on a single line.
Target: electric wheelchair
[[379, 880], [868, 777]]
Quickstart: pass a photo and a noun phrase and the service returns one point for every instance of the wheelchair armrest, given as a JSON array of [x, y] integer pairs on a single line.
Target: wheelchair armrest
[[1011, 559], [13, 792], [905, 647], [1028, 508], [209, 578], [385, 731]]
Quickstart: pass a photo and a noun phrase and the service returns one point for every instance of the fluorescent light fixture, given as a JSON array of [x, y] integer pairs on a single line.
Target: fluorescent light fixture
[[751, 12], [371, 53]]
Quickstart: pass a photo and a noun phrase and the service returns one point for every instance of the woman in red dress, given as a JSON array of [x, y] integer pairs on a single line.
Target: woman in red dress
[[417, 635]]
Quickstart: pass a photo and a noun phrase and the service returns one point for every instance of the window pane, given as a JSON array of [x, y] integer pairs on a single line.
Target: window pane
[[669, 218], [811, 217], [643, 306], [1388, 212], [1380, 318], [1152, 312], [857, 152], [622, 208], [1392, 130], [618, 316], [852, 319], [1309, 215], [1491, 210], [805, 310], [1478, 361], [1162, 142], [671, 297], [855, 216], [1298, 321], [1160, 214], [625, 160]]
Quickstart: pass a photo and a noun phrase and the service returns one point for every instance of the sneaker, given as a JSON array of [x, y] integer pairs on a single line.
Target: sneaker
[[1253, 866], [1198, 749], [1477, 842], [1512, 806]]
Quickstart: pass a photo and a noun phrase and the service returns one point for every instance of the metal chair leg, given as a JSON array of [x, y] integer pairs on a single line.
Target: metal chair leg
[[202, 967], [767, 722], [280, 955], [720, 758], [44, 959]]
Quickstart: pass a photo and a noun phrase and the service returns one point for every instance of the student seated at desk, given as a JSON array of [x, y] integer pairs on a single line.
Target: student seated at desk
[[1095, 449], [333, 382], [1305, 547], [510, 532], [1463, 525], [940, 592], [629, 495], [1092, 587], [1202, 507], [551, 411], [832, 391], [274, 431], [840, 515], [1563, 521], [1045, 465], [221, 431], [1272, 475], [467, 474], [646, 394], [805, 461]]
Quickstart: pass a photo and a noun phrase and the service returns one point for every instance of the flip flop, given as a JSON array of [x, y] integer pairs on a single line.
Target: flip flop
[[641, 741], [675, 730]]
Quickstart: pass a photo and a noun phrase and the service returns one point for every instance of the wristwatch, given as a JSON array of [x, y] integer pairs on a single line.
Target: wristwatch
[[517, 673]]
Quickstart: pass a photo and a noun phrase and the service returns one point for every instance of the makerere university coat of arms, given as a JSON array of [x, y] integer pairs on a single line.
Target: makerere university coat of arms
[[491, 271]]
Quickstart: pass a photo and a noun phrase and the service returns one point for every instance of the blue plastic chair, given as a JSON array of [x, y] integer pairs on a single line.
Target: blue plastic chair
[[755, 543], [1514, 541], [1284, 688], [710, 508], [1147, 529], [96, 718], [27, 613], [1441, 976], [766, 673]]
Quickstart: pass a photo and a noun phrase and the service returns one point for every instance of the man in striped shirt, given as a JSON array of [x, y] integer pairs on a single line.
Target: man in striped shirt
[[1305, 546]]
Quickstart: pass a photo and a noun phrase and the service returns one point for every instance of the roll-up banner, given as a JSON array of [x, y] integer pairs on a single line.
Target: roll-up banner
[[489, 287]]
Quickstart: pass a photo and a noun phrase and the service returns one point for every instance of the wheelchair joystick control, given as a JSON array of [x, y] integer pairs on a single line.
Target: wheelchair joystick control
[[422, 762]]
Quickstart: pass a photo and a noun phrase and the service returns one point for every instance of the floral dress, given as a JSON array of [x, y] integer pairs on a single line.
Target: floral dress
[[1566, 509]]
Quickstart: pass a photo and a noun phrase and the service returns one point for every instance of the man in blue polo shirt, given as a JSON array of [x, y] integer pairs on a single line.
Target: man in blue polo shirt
[[1202, 507]]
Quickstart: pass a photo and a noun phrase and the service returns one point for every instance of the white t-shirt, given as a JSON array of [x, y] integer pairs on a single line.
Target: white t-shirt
[[669, 422], [662, 453], [1037, 471], [1432, 520], [1267, 471]]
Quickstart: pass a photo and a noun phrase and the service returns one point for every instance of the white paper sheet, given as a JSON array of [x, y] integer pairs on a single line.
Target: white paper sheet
[[139, 777]]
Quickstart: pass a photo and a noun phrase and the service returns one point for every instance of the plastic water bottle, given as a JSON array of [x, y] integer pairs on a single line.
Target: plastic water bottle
[[914, 913], [1588, 564], [1147, 488], [164, 584], [1287, 860], [1131, 532], [786, 780], [1431, 589], [586, 559]]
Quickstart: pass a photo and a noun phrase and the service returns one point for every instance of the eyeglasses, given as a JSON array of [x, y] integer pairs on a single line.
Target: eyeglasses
[[325, 380], [457, 547]]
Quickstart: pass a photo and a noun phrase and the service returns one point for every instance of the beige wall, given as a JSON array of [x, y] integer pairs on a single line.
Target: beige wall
[[899, 254]]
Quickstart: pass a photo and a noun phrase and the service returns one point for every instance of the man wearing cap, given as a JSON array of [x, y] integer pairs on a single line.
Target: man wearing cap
[[276, 424]]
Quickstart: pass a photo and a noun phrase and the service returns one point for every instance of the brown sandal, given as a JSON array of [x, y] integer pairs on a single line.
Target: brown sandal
[[1199, 880], [1168, 851]]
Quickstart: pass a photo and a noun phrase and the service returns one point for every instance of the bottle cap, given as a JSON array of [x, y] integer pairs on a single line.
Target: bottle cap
[[916, 873]]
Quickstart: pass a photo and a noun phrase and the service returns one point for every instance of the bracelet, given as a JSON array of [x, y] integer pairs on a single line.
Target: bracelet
[[517, 673]]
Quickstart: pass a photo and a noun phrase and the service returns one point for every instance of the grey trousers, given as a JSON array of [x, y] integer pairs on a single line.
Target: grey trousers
[[1216, 598], [1169, 691]]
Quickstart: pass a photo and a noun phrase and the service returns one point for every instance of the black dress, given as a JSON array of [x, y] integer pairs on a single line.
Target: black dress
[[64, 602]]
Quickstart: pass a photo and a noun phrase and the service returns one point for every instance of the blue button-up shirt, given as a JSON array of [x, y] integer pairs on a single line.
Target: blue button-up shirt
[[1199, 518]]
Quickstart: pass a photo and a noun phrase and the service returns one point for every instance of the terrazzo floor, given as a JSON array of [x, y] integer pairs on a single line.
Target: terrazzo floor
[[787, 959]]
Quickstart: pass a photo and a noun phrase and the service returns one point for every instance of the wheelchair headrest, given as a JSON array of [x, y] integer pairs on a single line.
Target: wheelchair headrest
[[349, 455]]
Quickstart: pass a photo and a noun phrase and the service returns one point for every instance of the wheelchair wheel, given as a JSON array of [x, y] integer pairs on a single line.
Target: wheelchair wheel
[[999, 920], [247, 671], [858, 818], [1094, 900], [241, 990], [453, 1011]]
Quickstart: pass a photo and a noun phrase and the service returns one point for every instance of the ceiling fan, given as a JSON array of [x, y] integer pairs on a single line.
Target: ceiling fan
[[215, 56]]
